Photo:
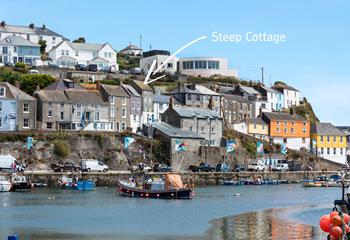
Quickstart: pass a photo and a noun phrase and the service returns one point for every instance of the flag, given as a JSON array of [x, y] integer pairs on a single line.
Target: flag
[[259, 148], [283, 148], [230, 146], [29, 142], [180, 146], [128, 141]]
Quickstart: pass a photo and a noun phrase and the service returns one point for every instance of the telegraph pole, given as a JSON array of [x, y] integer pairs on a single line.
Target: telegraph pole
[[262, 75]]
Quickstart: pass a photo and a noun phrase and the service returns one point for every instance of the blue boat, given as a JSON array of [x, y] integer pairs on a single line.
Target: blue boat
[[80, 184]]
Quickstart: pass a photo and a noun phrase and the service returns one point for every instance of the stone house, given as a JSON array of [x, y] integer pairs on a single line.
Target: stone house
[[235, 109], [135, 109], [147, 96], [119, 105], [202, 121]]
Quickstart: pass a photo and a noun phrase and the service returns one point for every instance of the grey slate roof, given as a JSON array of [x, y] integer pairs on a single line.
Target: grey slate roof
[[326, 129], [250, 90], [256, 121], [17, 41], [282, 116], [49, 96], [28, 30], [63, 84], [236, 98], [13, 92], [130, 90], [174, 132], [114, 90], [196, 88], [190, 112], [268, 89], [85, 96], [164, 99]]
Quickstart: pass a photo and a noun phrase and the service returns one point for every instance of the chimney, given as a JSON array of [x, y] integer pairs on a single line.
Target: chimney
[[44, 27], [3, 24], [260, 112], [17, 84], [210, 105], [98, 85], [170, 102], [32, 25]]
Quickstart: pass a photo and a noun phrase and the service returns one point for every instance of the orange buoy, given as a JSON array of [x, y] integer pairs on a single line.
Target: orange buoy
[[325, 223], [336, 231], [336, 221]]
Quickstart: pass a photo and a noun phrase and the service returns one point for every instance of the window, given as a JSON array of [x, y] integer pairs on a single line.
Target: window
[[340, 138], [303, 140], [26, 107], [304, 130], [341, 151], [97, 106], [328, 138], [123, 112], [322, 151], [61, 115], [2, 92], [189, 97], [334, 151], [25, 123], [212, 129], [78, 106], [79, 114], [124, 101], [134, 117], [292, 130], [202, 129], [160, 107], [77, 53], [198, 97], [278, 129], [285, 130], [328, 151], [191, 128], [97, 116], [212, 142], [213, 64], [285, 123], [278, 122], [321, 138], [4, 50], [293, 123], [0, 122], [133, 105], [67, 52], [109, 55], [112, 111], [62, 52], [111, 99], [334, 139], [138, 106], [105, 54], [170, 65], [123, 125], [49, 113], [0, 106], [254, 125], [49, 125], [62, 105]]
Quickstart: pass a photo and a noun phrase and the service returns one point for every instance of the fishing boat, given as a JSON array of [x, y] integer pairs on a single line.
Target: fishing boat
[[171, 187], [69, 183], [232, 183], [20, 183], [5, 184]]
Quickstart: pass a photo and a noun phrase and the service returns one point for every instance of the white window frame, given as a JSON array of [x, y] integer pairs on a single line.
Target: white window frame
[[2, 91], [49, 113], [26, 106], [25, 122], [124, 113], [112, 100], [112, 111], [124, 101], [96, 116]]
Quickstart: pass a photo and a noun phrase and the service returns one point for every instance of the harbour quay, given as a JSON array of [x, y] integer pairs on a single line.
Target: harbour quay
[[110, 178]]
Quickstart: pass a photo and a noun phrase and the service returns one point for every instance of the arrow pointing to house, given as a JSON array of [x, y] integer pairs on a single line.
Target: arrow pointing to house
[[151, 72]]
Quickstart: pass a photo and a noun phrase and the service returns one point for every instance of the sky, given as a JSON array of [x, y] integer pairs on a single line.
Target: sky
[[314, 58]]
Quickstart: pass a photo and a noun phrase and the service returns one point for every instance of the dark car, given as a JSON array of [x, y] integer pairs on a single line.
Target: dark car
[[162, 168], [92, 67], [239, 168], [81, 67], [203, 167], [62, 166]]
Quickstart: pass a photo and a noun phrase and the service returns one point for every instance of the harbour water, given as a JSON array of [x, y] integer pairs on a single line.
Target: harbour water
[[260, 212]]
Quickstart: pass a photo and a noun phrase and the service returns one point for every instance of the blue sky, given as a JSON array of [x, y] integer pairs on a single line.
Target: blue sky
[[314, 58]]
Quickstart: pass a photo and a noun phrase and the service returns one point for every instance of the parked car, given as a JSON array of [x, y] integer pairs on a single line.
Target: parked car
[[9, 163], [143, 167], [9, 64], [162, 168], [282, 167], [256, 167], [238, 168], [135, 70], [62, 166], [109, 69], [33, 71], [124, 71], [203, 167], [92, 67], [81, 67], [222, 167], [89, 165], [53, 65]]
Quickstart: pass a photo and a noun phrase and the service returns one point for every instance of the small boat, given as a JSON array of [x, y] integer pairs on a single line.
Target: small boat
[[79, 184], [232, 183], [5, 184], [20, 183], [170, 188]]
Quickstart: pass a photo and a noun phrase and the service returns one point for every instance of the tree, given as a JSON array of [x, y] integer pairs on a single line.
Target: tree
[[43, 45], [79, 40]]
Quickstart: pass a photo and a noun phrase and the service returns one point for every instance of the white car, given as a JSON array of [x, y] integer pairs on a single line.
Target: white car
[[9, 163], [256, 167], [282, 167], [89, 165]]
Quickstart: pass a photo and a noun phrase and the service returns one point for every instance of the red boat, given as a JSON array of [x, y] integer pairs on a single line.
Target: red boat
[[171, 188]]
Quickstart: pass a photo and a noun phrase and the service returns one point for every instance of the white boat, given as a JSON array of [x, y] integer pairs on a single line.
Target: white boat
[[5, 184]]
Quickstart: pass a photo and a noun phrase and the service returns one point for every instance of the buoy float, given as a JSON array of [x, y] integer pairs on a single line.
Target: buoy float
[[237, 194]]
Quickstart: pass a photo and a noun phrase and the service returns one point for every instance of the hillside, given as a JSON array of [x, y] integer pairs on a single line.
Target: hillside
[[306, 111]]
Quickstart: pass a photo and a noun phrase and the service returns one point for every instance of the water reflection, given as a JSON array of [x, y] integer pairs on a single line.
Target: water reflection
[[261, 225]]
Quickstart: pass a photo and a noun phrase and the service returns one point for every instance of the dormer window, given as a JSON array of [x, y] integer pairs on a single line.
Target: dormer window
[[2, 92]]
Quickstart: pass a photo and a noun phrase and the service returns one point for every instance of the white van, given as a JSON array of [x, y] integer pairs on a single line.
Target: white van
[[9, 163], [89, 165]]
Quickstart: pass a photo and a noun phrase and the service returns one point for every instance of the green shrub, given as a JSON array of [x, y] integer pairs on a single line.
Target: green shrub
[[20, 65], [61, 148]]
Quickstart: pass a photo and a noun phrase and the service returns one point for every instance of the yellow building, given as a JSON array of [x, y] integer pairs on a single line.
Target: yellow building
[[257, 128], [328, 142]]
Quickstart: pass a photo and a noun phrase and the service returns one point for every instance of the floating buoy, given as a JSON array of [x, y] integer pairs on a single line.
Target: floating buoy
[[237, 194], [158, 195]]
